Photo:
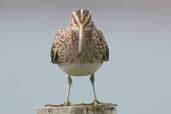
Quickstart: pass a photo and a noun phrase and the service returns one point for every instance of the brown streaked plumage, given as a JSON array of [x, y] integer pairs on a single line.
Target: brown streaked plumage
[[80, 49]]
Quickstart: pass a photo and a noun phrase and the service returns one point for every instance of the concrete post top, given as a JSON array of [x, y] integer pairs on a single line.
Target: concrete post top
[[105, 108]]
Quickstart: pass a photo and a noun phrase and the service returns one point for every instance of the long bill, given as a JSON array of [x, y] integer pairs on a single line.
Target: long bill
[[80, 39]]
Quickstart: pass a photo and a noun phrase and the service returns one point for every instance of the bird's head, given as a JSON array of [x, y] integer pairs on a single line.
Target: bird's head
[[81, 22]]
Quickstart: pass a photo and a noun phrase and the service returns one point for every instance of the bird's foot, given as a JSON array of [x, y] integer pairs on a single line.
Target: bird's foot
[[96, 102], [67, 103]]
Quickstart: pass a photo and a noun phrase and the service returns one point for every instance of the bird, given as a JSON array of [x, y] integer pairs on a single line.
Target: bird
[[80, 49]]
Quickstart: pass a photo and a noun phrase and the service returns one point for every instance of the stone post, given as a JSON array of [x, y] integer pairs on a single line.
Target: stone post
[[106, 108]]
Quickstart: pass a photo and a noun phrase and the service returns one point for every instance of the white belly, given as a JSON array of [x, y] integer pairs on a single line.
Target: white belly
[[80, 69]]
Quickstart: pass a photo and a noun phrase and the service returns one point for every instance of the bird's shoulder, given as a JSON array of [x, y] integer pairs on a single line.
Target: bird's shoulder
[[58, 44], [103, 46]]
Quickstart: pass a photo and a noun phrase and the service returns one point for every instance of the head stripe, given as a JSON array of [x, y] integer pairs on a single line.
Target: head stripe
[[81, 17]]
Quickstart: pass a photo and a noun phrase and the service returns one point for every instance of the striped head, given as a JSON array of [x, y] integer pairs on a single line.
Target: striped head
[[81, 19], [81, 22]]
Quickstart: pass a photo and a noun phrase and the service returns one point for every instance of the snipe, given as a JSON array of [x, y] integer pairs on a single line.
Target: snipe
[[80, 49]]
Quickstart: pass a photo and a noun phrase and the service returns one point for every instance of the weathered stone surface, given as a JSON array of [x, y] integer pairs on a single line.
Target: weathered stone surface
[[79, 109]]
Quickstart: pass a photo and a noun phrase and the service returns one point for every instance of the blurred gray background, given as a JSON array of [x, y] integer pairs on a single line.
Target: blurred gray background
[[137, 77]]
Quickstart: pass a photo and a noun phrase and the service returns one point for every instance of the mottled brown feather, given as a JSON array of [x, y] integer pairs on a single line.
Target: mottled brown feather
[[65, 47], [106, 53]]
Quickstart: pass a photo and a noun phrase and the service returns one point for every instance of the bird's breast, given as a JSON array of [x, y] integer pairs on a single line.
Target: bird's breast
[[80, 69], [86, 55]]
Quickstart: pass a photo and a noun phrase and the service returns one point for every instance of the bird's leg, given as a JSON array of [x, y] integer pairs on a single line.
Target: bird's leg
[[68, 93], [92, 79]]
